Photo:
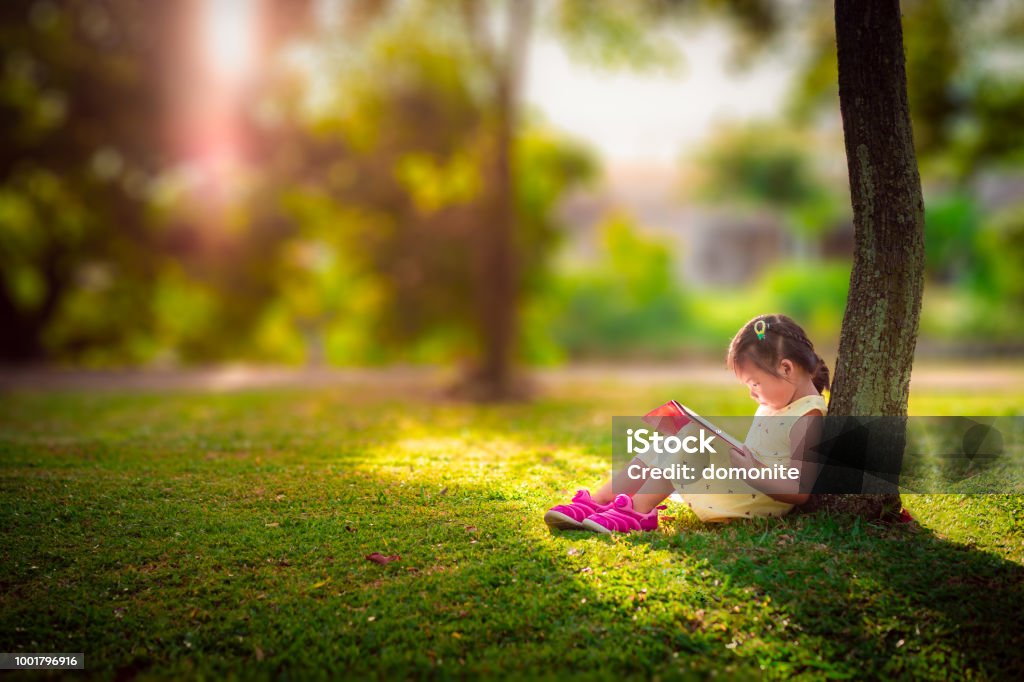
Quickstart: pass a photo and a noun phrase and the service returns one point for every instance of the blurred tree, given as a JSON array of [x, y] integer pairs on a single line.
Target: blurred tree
[[392, 179], [232, 133], [497, 286], [773, 168], [74, 169], [437, 189], [760, 164], [88, 91]]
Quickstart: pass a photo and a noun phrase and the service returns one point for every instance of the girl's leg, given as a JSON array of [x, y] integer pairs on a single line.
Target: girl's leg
[[620, 483], [647, 493], [652, 493]]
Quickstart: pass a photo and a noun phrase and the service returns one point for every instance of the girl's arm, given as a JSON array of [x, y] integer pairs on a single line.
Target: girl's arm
[[805, 434]]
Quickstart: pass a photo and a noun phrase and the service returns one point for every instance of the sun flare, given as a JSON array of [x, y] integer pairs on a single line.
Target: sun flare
[[229, 31]]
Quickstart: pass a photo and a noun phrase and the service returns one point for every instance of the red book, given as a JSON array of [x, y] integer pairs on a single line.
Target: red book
[[667, 419], [672, 416]]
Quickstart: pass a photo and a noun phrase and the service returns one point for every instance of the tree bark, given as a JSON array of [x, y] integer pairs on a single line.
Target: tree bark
[[880, 325]]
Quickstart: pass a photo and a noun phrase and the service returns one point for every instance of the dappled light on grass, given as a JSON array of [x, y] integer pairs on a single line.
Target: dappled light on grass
[[487, 460]]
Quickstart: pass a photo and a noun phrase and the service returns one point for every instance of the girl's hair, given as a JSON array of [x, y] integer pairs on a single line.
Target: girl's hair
[[783, 339]]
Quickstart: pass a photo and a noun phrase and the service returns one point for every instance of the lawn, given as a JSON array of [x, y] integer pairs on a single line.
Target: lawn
[[225, 534]]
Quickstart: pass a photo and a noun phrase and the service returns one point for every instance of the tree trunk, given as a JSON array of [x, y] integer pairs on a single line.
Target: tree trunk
[[880, 325], [498, 268]]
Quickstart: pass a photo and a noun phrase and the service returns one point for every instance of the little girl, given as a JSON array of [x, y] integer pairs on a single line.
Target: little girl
[[772, 355]]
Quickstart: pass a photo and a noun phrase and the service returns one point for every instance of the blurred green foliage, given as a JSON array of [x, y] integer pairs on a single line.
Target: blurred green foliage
[[965, 71], [353, 236], [951, 232], [965, 80], [812, 292], [1001, 249], [74, 172], [760, 164], [627, 303], [341, 297], [769, 166], [616, 34]]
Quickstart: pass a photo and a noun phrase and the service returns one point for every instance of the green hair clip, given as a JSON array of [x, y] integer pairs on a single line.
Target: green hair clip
[[760, 327]]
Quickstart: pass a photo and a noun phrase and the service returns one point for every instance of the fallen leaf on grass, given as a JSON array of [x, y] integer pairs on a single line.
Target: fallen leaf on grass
[[275, 524], [471, 529], [379, 558], [320, 584], [444, 491]]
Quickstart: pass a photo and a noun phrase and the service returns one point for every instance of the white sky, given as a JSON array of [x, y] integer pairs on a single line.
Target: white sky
[[651, 119]]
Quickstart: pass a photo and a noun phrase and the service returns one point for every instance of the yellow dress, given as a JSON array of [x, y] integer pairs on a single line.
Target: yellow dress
[[768, 438]]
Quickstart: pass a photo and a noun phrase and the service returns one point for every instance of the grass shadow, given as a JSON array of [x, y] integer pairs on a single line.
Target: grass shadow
[[882, 600]]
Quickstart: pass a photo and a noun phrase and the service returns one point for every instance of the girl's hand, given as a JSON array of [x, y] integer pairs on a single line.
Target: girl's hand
[[741, 458]]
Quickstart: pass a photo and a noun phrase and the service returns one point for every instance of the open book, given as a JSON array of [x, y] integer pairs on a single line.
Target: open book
[[672, 416]]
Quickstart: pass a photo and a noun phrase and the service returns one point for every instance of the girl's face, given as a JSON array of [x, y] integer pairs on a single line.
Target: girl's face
[[774, 392]]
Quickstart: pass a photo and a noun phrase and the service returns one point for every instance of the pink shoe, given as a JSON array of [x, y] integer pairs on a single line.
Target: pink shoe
[[622, 518], [570, 516]]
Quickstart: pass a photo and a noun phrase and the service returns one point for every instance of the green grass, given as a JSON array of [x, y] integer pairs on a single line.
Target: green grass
[[225, 535]]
